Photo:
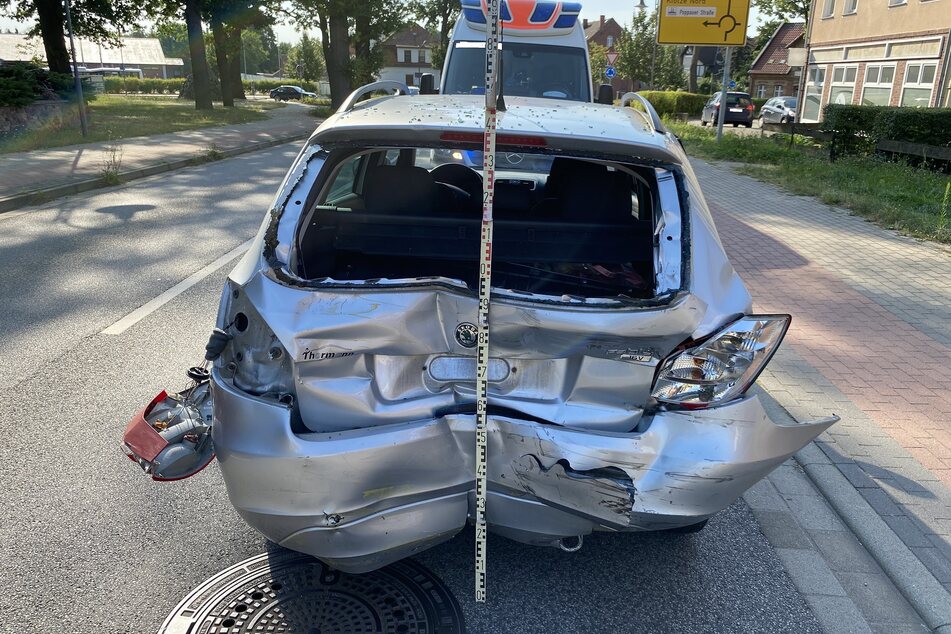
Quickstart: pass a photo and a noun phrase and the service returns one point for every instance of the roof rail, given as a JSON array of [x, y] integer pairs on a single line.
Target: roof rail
[[362, 91], [629, 97]]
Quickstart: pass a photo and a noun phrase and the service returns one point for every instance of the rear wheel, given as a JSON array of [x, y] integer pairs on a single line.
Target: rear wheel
[[736, 125], [749, 125], [784, 120], [702, 122]]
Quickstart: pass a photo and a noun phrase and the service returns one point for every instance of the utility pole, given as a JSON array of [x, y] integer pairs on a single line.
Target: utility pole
[[77, 82], [728, 56]]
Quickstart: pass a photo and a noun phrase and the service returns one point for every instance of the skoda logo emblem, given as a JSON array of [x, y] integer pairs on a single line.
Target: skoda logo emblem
[[467, 334]]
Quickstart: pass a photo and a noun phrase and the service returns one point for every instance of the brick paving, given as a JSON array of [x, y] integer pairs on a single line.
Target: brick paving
[[869, 341]]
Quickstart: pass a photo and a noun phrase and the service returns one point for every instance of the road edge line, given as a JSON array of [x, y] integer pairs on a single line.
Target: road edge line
[[157, 302], [914, 581]]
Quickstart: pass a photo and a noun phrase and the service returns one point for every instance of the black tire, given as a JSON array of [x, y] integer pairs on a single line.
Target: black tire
[[749, 125], [686, 530], [702, 122], [736, 125], [784, 120]]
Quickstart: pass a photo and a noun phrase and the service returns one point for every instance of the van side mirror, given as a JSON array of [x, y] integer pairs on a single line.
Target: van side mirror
[[606, 94], [427, 84]]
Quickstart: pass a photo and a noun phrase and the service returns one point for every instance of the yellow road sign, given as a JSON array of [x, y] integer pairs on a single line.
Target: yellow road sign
[[703, 22]]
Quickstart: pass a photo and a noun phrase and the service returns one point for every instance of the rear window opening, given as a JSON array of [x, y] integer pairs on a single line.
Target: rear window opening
[[563, 226]]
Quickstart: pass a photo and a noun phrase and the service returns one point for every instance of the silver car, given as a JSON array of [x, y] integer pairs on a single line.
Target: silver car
[[778, 110], [342, 384]]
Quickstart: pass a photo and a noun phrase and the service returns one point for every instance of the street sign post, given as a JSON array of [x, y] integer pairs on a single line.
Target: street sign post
[[703, 22]]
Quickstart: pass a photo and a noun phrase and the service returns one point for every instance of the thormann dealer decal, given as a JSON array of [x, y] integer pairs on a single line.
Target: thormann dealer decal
[[313, 355]]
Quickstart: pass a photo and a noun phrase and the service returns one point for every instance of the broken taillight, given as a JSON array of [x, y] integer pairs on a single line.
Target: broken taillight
[[724, 366]]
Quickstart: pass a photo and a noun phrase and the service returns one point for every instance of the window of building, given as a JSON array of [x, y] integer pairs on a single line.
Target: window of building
[[850, 7], [761, 90], [422, 55], [896, 3], [843, 84], [878, 85], [828, 8], [610, 41], [409, 79], [815, 77], [407, 56], [919, 82], [778, 90]]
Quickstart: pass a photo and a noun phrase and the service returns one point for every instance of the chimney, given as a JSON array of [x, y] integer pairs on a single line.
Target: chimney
[[602, 20], [584, 23]]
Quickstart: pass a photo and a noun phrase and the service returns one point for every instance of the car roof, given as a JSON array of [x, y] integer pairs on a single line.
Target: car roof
[[564, 125]]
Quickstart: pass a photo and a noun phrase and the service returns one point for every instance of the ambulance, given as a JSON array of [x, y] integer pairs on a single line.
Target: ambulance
[[544, 51]]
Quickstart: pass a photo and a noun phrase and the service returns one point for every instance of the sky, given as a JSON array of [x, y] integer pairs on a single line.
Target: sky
[[591, 9]]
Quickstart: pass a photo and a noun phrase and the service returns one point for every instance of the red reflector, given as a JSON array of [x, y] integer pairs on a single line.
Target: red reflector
[[502, 139], [749, 107]]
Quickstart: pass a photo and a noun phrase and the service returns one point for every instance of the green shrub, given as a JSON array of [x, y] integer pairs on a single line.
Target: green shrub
[[758, 103], [667, 102], [859, 128], [22, 83]]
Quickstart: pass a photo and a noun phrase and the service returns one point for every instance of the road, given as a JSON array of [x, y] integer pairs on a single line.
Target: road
[[90, 545]]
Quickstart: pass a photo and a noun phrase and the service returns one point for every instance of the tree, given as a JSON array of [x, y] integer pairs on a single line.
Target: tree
[[173, 36], [635, 47], [304, 61], [196, 47], [373, 21], [668, 69], [783, 9], [255, 53], [99, 20], [438, 16], [599, 62]]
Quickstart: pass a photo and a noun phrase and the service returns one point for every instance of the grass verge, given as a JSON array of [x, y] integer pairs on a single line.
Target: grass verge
[[894, 195], [118, 117]]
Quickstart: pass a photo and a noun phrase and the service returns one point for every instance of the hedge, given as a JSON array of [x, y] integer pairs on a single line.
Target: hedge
[[667, 102], [142, 86], [859, 128], [22, 83], [264, 86]]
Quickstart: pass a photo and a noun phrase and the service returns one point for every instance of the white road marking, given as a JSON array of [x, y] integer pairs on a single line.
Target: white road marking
[[153, 305]]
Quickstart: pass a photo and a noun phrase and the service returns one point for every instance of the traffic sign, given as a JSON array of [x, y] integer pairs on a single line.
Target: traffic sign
[[609, 72], [703, 22], [612, 57], [732, 84]]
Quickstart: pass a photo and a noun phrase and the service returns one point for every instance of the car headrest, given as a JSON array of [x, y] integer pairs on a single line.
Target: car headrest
[[403, 190]]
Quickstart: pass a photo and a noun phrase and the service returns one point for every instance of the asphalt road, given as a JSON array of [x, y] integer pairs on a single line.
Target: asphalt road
[[90, 545]]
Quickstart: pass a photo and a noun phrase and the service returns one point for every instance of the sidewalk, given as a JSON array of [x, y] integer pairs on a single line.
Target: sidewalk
[[75, 168], [869, 341]]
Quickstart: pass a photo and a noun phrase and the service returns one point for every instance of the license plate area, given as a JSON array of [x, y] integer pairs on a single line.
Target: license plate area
[[463, 369]]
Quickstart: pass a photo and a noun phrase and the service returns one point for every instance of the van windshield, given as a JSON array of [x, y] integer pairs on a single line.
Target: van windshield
[[528, 70]]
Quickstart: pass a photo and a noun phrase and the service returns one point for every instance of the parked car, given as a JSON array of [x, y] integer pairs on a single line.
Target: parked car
[[341, 395], [778, 110], [284, 93], [739, 110]]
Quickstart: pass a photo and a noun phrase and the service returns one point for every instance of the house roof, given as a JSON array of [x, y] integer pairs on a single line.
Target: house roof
[[772, 59], [412, 35], [134, 51], [595, 27]]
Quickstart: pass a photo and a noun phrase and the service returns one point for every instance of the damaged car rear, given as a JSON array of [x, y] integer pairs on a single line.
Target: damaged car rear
[[342, 401]]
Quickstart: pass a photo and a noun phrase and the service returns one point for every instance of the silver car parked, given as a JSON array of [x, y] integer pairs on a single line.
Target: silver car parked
[[778, 110], [623, 347]]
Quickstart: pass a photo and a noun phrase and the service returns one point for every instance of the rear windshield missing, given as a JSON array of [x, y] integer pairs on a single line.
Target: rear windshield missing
[[528, 70]]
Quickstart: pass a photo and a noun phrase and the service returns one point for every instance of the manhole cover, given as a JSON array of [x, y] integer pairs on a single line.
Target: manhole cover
[[297, 594]]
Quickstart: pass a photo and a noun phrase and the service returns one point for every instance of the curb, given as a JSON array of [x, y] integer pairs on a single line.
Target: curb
[[913, 580], [40, 196]]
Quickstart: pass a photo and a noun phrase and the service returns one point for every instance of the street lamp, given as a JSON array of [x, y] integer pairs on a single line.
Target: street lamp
[[77, 81]]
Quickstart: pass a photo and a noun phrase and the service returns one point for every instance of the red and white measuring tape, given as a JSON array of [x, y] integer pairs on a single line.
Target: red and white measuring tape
[[492, 52]]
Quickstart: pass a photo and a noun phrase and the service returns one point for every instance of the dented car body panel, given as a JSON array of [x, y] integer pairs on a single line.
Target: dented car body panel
[[344, 402]]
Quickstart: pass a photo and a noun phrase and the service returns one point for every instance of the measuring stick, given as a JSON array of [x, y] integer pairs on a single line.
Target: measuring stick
[[485, 286]]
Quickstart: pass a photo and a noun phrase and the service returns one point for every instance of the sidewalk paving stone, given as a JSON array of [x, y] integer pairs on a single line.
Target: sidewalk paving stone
[[869, 341]]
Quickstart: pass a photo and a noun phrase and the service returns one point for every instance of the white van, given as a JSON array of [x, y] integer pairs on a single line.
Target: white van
[[544, 51]]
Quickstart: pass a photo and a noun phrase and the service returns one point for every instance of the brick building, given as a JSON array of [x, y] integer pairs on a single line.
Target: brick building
[[607, 33], [407, 54], [877, 52], [770, 74]]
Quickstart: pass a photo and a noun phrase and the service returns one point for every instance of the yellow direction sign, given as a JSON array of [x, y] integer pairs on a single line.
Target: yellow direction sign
[[703, 22]]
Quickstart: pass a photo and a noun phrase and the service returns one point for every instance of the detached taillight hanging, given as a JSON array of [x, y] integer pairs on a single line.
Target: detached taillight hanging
[[724, 366]]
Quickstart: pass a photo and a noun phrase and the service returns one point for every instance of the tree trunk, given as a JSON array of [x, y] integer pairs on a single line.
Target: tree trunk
[[338, 58], [51, 17], [361, 48], [235, 57], [223, 60], [196, 47]]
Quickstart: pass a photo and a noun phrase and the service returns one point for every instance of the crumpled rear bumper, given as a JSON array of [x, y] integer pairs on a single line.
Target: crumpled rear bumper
[[363, 498]]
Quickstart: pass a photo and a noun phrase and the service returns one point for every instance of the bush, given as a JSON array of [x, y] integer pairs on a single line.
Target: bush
[[22, 83], [667, 102], [758, 103], [859, 128], [148, 86]]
